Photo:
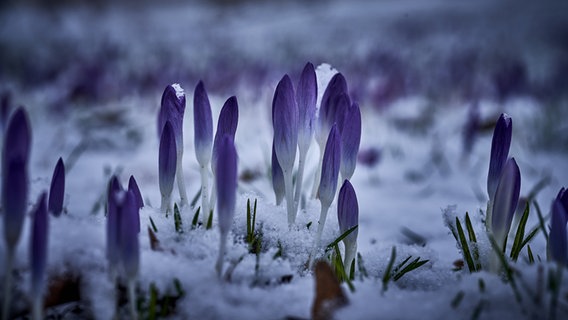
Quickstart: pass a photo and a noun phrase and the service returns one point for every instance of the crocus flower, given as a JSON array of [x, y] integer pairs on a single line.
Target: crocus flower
[[15, 157], [506, 199], [167, 165], [203, 125], [277, 178], [329, 176], [226, 181], [129, 246], [285, 122], [203, 140], [38, 254], [348, 217], [133, 187], [113, 222], [557, 241], [172, 109], [499, 152], [306, 97], [350, 140], [57, 189]]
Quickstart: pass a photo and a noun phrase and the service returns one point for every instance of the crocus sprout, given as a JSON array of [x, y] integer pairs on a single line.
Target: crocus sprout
[[203, 140], [326, 118], [226, 124], [557, 240], [285, 123], [348, 217], [133, 186], [57, 189], [172, 109], [167, 166], [350, 140], [113, 222], [129, 246], [277, 178], [500, 145], [329, 176], [226, 181], [15, 157], [38, 255], [306, 96]]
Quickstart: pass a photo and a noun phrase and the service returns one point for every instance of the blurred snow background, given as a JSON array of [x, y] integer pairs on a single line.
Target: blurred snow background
[[91, 75]]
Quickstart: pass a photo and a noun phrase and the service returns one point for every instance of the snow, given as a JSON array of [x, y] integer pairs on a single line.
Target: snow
[[422, 175], [179, 90]]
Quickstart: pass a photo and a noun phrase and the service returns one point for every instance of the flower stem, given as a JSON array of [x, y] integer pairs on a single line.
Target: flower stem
[[181, 182], [317, 176], [321, 223], [299, 180], [132, 298], [8, 283], [222, 246], [204, 194], [289, 197], [37, 312], [166, 204], [350, 251]]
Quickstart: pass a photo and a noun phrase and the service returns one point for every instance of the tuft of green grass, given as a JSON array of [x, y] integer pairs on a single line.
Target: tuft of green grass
[[154, 228], [401, 269], [177, 220], [160, 305], [195, 220]]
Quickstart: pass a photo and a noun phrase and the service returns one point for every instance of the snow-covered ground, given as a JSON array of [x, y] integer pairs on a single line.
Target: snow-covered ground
[[102, 75]]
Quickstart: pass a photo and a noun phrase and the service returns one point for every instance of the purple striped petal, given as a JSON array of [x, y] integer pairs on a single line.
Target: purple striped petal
[[557, 246], [203, 125], [226, 125], [348, 210], [57, 189], [167, 160], [563, 196], [128, 237], [133, 187], [330, 167], [277, 178], [285, 122], [172, 109], [350, 141], [38, 245], [506, 199], [336, 86], [306, 96], [114, 188], [499, 151], [226, 182]]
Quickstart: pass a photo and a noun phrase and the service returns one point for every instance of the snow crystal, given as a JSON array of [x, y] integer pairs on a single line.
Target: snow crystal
[[179, 90]]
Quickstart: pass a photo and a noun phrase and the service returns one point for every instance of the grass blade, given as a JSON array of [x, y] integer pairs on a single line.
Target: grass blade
[[465, 248], [341, 237], [387, 274], [519, 236]]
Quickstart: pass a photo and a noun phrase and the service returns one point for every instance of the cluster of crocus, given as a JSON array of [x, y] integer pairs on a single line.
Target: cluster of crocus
[[503, 185], [15, 158], [172, 109], [557, 240], [123, 227], [348, 217]]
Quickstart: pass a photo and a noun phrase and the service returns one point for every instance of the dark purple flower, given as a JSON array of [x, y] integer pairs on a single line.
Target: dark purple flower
[[227, 124], [506, 199], [172, 109], [306, 96], [330, 167], [285, 122], [226, 182], [557, 242], [133, 186], [328, 106], [38, 246], [277, 178], [128, 236], [203, 125], [167, 161], [499, 152], [350, 140], [57, 189], [15, 156], [348, 210], [113, 221]]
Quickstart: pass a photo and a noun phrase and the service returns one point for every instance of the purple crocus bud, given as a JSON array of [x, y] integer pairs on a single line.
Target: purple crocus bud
[[506, 199], [57, 189], [330, 167], [306, 96], [336, 86], [128, 236], [350, 140], [499, 152], [172, 109], [203, 124], [15, 156], [167, 161], [227, 124], [277, 178], [348, 210], [38, 246], [285, 122], [113, 221], [226, 182], [557, 241], [133, 186]]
